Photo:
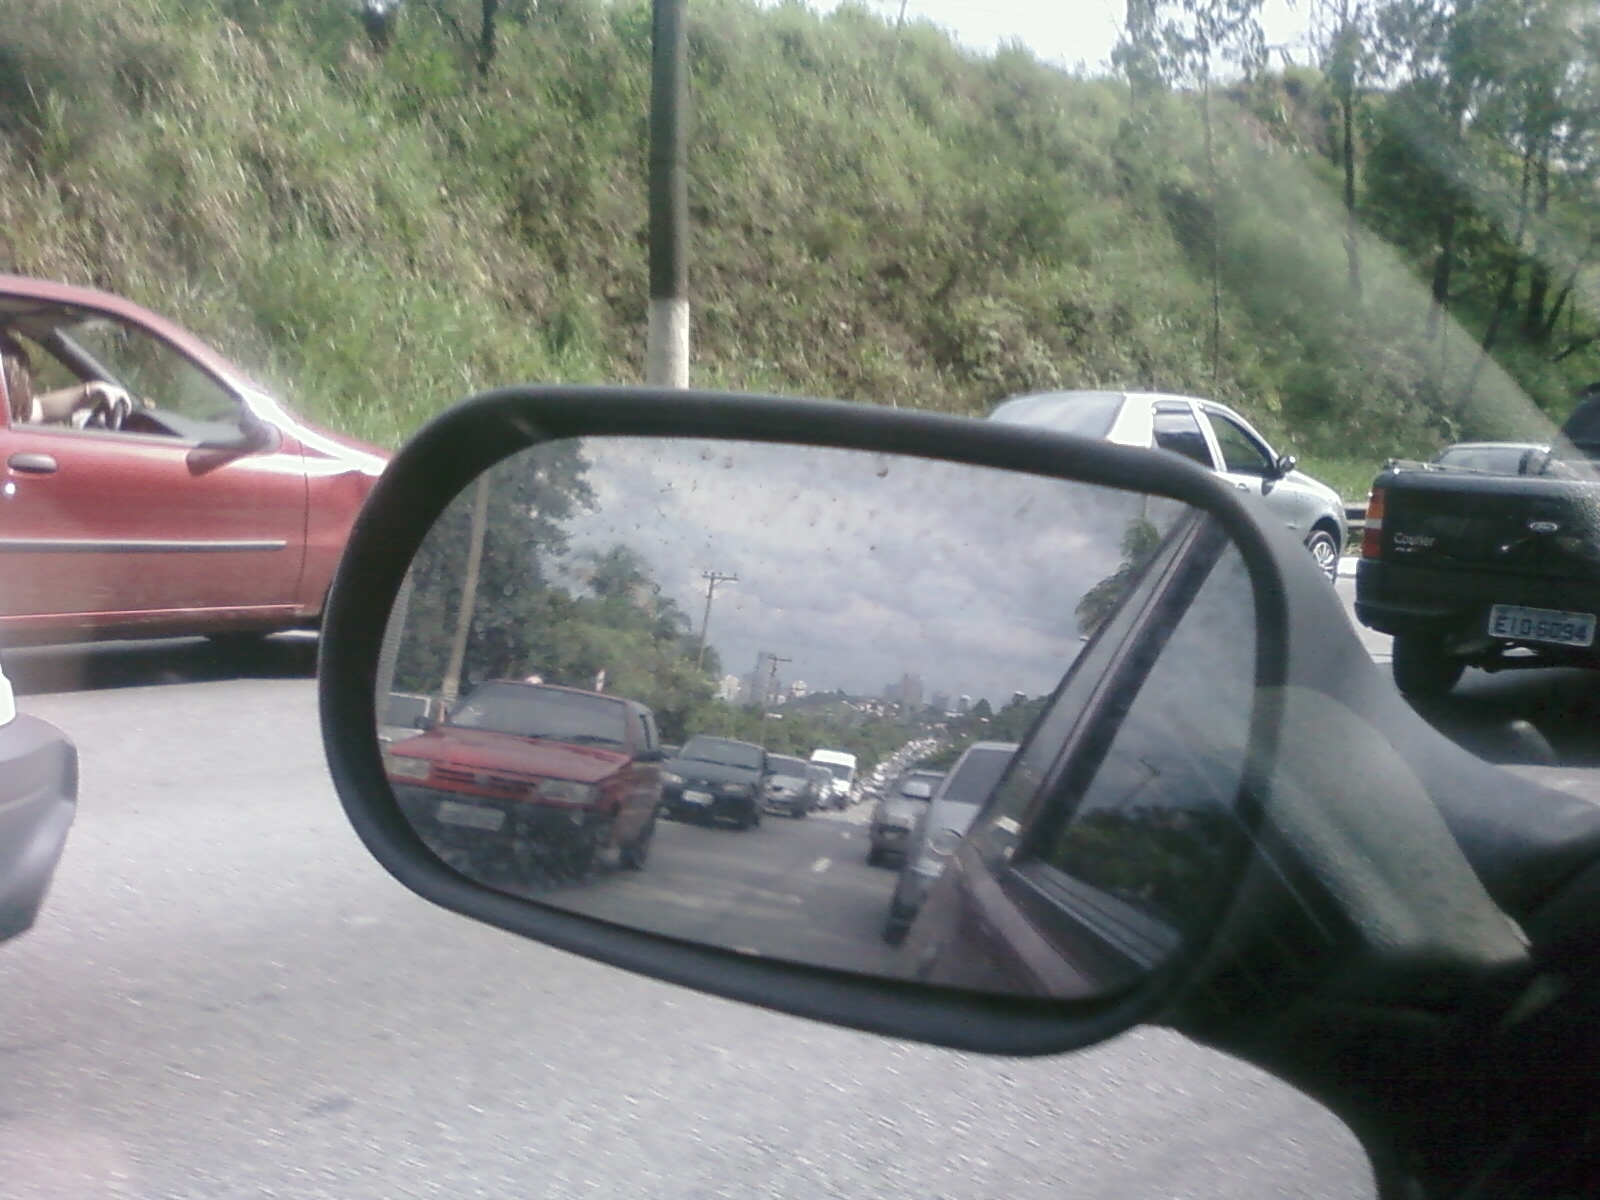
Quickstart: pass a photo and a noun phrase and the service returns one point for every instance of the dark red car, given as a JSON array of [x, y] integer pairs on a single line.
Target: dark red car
[[156, 490], [534, 780]]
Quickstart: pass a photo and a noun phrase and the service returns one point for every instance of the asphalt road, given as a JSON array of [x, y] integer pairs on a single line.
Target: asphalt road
[[226, 998], [800, 890]]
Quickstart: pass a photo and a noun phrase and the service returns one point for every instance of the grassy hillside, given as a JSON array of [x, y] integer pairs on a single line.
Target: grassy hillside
[[876, 217]]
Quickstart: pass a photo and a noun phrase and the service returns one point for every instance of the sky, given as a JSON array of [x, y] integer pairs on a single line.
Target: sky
[[1068, 33], [860, 568]]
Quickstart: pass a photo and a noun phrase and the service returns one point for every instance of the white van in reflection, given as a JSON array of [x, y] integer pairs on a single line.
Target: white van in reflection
[[842, 766]]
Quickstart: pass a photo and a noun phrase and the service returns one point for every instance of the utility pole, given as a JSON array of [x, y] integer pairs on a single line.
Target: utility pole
[[712, 578], [667, 347], [766, 692], [450, 688]]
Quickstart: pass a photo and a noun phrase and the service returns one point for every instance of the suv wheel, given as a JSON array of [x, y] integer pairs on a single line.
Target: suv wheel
[[1324, 550], [1421, 666]]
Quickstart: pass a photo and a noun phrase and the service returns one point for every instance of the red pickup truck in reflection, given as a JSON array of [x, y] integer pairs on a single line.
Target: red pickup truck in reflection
[[533, 781], [148, 487]]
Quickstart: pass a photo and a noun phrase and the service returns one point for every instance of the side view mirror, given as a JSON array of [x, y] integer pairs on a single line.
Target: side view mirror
[[1206, 747], [1285, 464], [252, 435]]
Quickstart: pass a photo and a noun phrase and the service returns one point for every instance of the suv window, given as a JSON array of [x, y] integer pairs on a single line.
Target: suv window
[[1241, 453], [1177, 430], [721, 750], [976, 777], [548, 713]]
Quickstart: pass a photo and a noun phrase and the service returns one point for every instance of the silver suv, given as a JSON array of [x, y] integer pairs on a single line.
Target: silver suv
[[1210, 434], [897, 813], [943, 825]]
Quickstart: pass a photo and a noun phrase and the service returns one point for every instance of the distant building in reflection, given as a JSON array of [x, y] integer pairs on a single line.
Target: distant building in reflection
[[963, 705], [907, 692], [730, 691], [940, 702]]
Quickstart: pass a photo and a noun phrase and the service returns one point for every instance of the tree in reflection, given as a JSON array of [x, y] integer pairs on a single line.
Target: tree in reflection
[[1165, 860], [531, 496], [1140, 540]]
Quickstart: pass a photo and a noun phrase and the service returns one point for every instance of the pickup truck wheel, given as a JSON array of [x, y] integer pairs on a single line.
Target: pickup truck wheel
[[1325, 551], [1421, 666]]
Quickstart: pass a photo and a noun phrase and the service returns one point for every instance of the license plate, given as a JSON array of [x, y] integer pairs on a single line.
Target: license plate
[[473, 816], [1541, 625], [697, 797]]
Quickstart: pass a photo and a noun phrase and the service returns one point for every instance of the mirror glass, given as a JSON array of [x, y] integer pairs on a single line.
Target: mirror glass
[[757, 696]]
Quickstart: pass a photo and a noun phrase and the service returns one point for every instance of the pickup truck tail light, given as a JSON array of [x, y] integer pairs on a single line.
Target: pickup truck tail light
[[1372, 531]]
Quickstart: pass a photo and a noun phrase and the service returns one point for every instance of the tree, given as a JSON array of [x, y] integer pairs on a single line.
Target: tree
[[1347, 62], [1139, 543], [531, 494]]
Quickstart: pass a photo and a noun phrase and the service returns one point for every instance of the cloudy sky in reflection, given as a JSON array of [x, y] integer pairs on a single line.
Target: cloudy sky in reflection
[[858, 567]]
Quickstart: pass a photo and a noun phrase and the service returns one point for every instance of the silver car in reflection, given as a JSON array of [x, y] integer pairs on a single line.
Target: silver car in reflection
[[896, 814], [941, 829], [788, 788], [1208, 433]]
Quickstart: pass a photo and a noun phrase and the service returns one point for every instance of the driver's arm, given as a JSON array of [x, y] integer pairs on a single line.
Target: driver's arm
[[58, 406]]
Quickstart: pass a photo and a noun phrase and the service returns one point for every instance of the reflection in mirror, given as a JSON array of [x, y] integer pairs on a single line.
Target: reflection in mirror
[[807, 628], [1135, 823]]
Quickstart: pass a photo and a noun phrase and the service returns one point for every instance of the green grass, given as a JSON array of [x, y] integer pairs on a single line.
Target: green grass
[[1350, 477], [876, 216]]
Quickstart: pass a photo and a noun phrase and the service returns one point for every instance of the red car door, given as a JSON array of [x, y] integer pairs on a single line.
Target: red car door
[[175, 521]]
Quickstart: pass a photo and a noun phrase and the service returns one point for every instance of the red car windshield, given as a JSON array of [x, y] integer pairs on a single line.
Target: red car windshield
[[551, 714]]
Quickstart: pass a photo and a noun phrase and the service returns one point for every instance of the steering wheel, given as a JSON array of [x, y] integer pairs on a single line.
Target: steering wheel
[[111, 407]]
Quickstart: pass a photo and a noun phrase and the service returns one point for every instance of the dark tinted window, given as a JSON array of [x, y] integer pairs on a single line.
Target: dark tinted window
[[1241, 453], [548, 713], [1583, 426], [781, 764], [976, 776], [1491, 460], [721, 750], [1084, 414], [1177, 430]]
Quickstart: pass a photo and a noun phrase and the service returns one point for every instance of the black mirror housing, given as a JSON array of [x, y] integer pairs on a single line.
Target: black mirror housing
[[1329, 858]]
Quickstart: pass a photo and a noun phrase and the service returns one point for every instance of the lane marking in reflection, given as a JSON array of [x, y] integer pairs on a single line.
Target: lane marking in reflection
[[821, 865]]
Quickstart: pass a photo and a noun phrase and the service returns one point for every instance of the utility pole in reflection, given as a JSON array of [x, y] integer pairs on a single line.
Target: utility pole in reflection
[[667, 347], [450, 688], [712, 578], [389, 651], [766, 693]]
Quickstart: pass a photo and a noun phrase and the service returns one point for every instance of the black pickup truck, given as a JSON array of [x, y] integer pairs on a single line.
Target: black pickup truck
[[1472, 568]]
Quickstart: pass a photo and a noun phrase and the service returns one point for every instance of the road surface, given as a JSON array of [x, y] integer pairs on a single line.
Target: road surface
[[226, 998]]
